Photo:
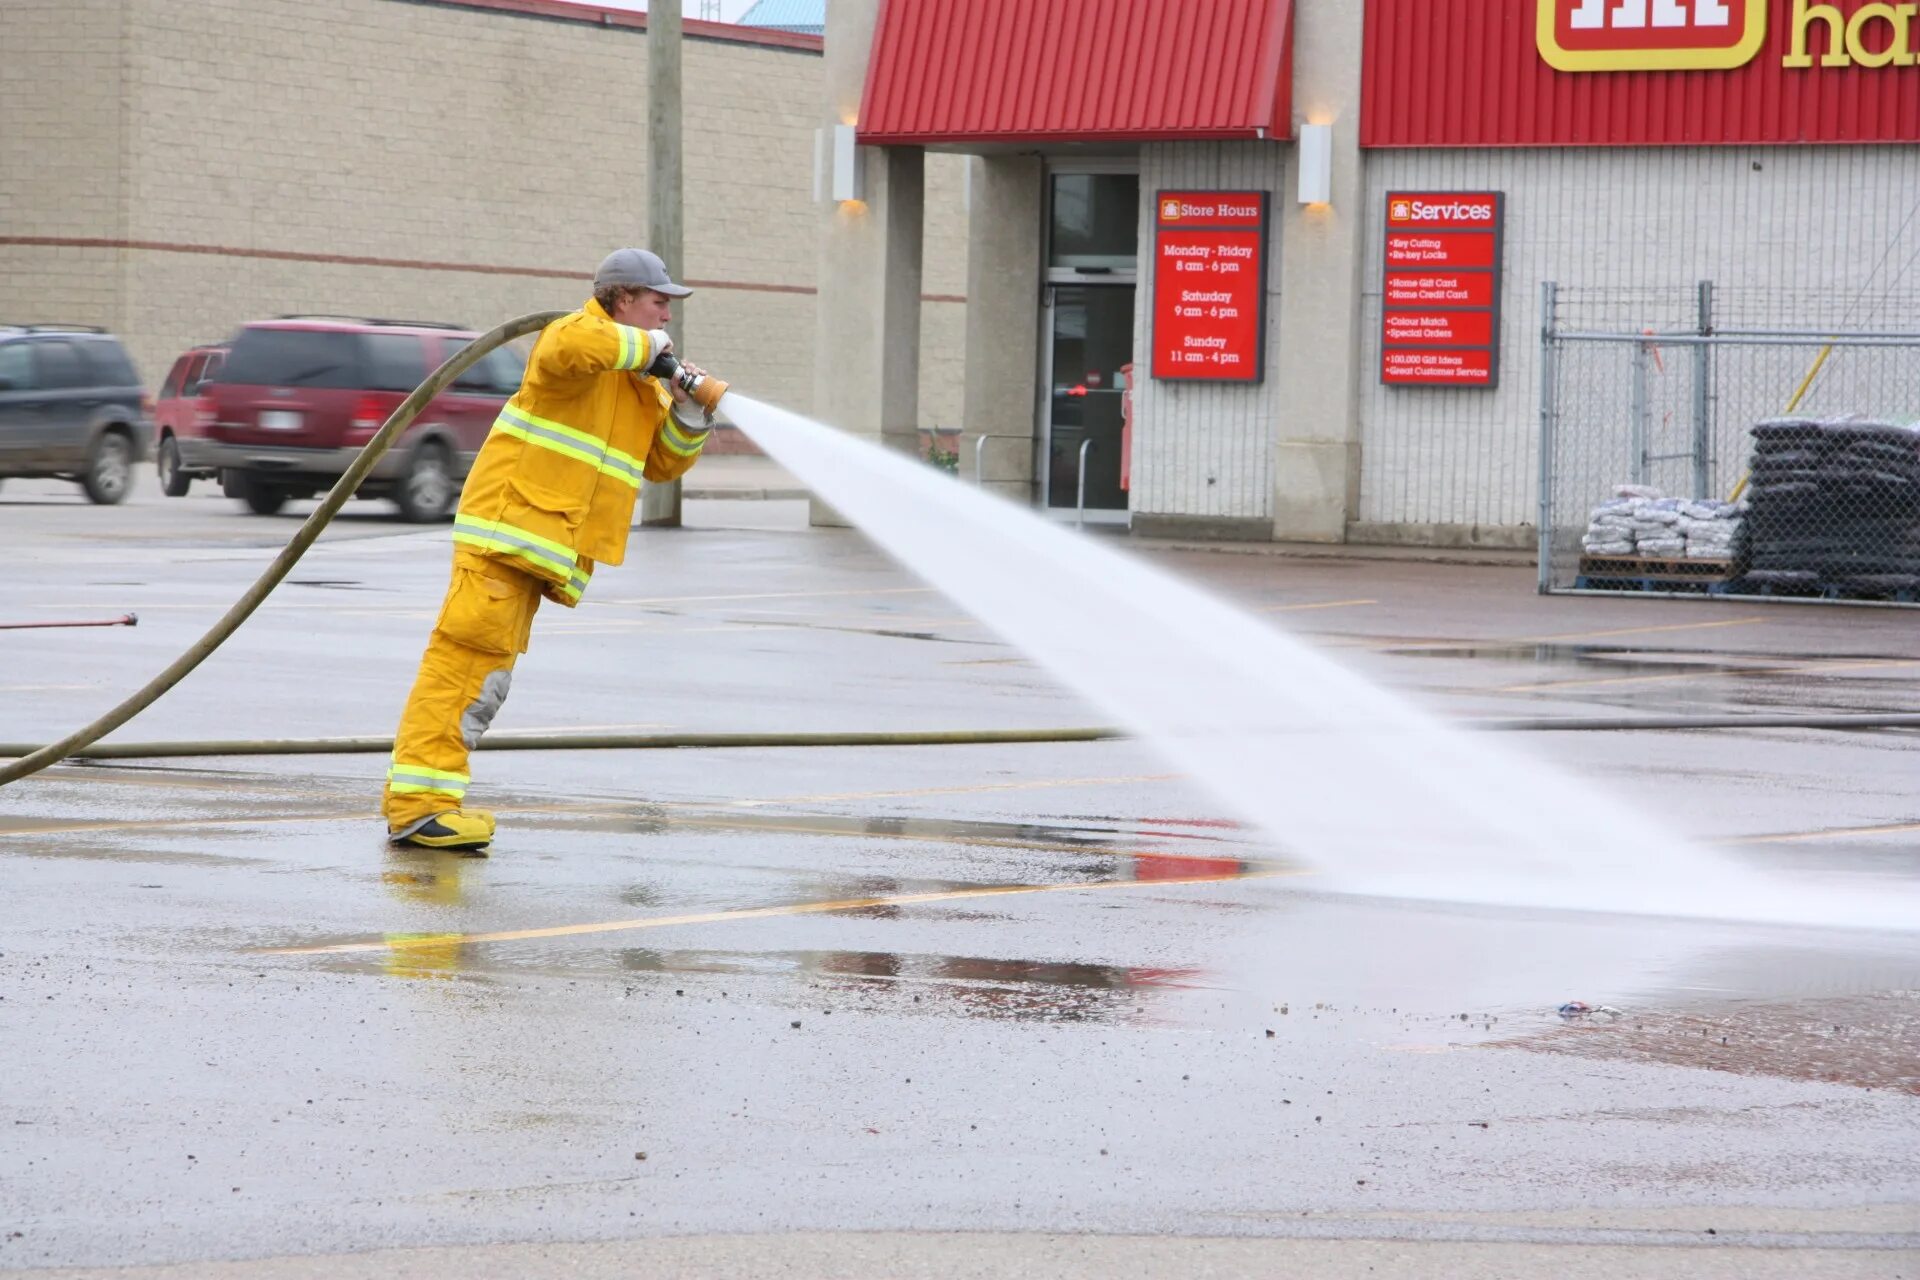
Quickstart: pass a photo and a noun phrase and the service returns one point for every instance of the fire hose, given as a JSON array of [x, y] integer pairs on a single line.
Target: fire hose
[[397, 422], [81, 742]]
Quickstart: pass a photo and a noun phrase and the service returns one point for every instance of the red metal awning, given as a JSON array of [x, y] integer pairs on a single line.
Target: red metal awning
[[1037, 71]]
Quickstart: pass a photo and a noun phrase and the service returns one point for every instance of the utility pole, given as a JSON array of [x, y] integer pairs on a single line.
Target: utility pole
[[660, 503]]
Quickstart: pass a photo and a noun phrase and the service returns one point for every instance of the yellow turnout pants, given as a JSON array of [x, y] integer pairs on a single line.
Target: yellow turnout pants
[[463, 680]]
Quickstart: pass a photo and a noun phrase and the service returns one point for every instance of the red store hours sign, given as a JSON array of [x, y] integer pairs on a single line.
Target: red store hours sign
[[1209, 285], [1440, 316]]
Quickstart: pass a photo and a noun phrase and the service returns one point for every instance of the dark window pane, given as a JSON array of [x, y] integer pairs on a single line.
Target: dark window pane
[[16, 366], [395, 361], [1096, 220], [498, 373], [57, 365], [295, 358], [109, 365], [207, 372]]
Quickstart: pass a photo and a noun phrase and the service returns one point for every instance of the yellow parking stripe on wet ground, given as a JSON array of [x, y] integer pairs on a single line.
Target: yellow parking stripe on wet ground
[[402, 943]]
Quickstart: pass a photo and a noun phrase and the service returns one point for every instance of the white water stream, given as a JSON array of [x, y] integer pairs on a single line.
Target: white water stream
[[1374, 794]]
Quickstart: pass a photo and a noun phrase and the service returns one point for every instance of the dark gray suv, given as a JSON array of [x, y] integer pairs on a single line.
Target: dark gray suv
[[71, 406]]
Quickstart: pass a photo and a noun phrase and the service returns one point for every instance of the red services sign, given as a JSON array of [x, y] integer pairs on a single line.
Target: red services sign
[[1440, 318], [1439, 288], [1440, 249], [1438, 368], [1209, 285], [1440, 328]]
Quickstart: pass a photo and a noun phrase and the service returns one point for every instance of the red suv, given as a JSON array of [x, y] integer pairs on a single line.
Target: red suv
[[181, 416], [298, 397]]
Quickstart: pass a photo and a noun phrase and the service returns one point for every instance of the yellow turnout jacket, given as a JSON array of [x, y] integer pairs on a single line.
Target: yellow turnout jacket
[[553, 487]]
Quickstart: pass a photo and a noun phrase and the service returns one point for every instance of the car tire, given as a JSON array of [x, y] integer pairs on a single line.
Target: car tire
[[109, 473], [427, 491], [262, 499], [173, 481]]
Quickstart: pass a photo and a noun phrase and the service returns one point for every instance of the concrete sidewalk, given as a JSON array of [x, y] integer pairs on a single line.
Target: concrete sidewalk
[[755, 476], [741, 475]]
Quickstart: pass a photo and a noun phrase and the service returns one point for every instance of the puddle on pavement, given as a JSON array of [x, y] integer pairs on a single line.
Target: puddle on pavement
[[1072, 835], [871, 981]]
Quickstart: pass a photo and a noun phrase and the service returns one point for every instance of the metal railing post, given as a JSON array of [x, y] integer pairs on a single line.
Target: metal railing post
[[1642, 412], [1703, 459], [1548, 301], [980, 463], [1080, 484]]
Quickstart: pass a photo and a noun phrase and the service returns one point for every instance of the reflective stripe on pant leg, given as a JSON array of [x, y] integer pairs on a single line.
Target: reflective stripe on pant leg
[[404, 777], [431, 738]]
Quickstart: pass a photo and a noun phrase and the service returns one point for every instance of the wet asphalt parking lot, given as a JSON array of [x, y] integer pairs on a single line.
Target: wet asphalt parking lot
[[938, 1010]]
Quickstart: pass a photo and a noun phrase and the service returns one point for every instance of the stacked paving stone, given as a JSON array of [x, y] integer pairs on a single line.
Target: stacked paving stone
[[1835, 507]]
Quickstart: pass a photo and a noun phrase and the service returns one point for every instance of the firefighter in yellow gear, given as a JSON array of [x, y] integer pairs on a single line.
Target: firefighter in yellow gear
[[550, 496]]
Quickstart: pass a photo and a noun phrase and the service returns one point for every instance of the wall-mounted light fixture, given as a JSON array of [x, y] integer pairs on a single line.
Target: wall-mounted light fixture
[[848, 179], [1316, 163], [839, 168]]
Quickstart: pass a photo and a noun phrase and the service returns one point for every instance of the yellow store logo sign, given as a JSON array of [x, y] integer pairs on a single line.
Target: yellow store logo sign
[[1706, 35]]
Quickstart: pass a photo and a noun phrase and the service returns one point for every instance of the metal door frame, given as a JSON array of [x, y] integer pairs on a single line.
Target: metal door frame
[[1052, 277]]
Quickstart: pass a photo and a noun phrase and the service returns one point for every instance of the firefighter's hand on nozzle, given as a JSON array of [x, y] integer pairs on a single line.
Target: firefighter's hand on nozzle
[[657, 342], [688, 375]]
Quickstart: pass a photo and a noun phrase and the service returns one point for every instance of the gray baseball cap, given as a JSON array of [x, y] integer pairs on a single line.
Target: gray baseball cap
[[638, 267]]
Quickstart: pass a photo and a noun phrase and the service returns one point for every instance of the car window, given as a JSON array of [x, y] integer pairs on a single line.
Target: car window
[[16, 366], [294, 358], [176, 377], [395, 361], [206, 369], [57, 365], [108, 365], [498, 372]]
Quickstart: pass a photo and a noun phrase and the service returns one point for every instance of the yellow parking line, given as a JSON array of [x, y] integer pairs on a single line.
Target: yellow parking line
[[772, 595], [1827, 833], [758, 913], [1634, 631], [1038, 785]]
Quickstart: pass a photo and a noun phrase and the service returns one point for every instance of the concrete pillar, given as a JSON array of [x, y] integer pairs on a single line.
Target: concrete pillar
[[1004, 274], [867, 347], [660, 503], [1317, 462]]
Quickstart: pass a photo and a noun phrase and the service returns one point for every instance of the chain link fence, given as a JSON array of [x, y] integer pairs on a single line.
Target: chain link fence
[[1694, 455]]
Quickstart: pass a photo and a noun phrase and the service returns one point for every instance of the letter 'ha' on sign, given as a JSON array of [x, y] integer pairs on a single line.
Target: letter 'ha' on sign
[[1209, 285], [1650, 35], [1440, 312]]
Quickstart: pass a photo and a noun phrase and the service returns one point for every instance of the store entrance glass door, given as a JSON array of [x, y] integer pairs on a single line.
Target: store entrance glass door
[[1091, 341], [1092, 262]]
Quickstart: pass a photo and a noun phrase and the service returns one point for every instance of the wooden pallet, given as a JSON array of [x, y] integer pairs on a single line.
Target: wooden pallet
[[1652, 573]]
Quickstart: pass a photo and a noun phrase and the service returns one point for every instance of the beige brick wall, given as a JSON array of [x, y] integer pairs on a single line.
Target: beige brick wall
[[407, 132], [943, 325], [62, 166]]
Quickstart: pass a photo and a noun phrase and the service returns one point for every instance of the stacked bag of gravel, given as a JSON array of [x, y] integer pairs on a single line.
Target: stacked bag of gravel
[[1836, 505], [1709, 528], [1640, 520]]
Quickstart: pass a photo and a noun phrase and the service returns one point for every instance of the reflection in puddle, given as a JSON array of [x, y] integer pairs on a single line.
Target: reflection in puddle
[[1061, 835], [981, 986]]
